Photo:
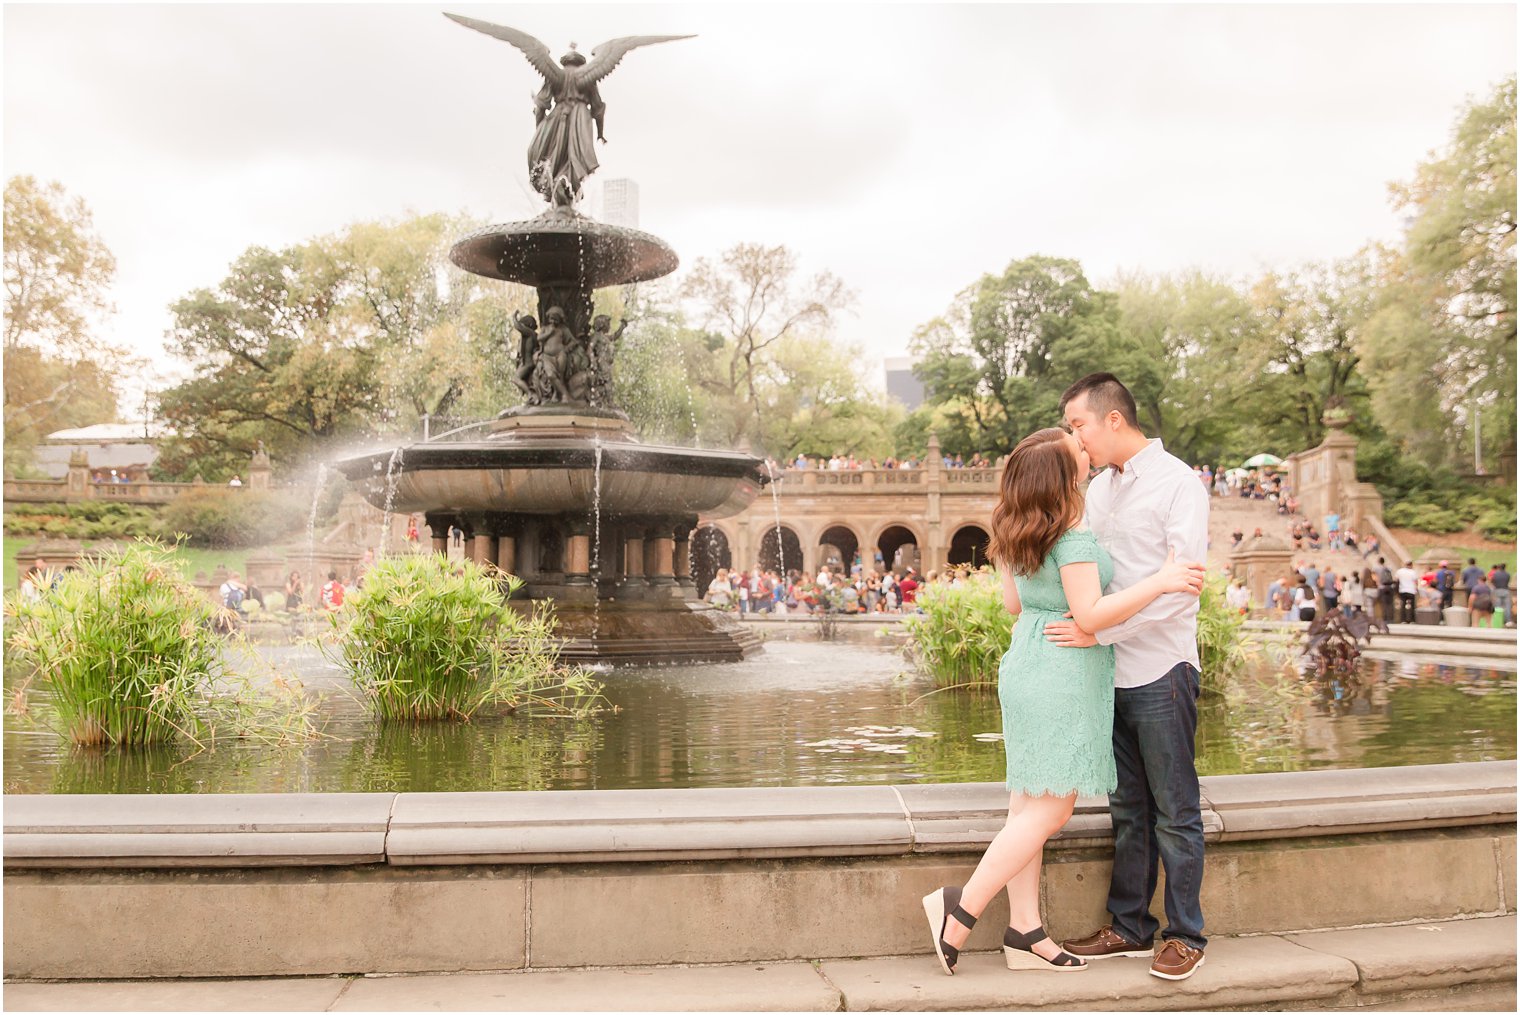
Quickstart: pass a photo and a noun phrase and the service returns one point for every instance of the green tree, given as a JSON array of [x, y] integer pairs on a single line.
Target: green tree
[[747, 302], [996, 363], [359, 334], [1443, 339], [1303, 355], [441, 335], [1184, 336], [818, 404], [278, 359], [58, 271]]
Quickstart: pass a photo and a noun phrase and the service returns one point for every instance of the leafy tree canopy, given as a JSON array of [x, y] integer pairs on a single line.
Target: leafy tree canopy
[[58, 371]]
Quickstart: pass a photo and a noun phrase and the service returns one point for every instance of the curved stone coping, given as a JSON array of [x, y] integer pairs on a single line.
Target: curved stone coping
[[651, 824], [1500, 634], [411, 829], [175, 830]]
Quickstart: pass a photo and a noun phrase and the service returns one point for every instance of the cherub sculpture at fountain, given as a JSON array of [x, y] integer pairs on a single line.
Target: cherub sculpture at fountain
[[602, 345], [527, 354]]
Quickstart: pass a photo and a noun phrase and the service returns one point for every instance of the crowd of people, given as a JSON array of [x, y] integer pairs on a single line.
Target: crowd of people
[[1385, 594], [1253, 484], [838, 462], [831, 590]]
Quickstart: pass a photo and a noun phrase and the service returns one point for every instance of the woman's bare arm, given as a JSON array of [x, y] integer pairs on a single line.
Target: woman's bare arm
[[1010, 593], [1093, 611]]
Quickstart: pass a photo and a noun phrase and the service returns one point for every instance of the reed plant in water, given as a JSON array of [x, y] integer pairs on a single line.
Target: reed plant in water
[[427, 638], [1223, 647], [963, 630], [126, 652]]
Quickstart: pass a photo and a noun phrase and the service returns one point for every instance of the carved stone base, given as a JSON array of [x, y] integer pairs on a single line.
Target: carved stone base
[[651, 633], [558, 422]]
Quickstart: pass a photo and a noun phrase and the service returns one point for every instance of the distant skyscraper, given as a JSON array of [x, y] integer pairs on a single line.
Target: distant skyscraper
[[620, 203], [901, 384]]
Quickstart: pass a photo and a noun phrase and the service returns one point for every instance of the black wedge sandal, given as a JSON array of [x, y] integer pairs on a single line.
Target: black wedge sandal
[[1018, 950], [940, 906]]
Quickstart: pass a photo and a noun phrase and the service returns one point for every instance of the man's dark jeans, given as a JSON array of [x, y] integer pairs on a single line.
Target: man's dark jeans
[[1155, 808]]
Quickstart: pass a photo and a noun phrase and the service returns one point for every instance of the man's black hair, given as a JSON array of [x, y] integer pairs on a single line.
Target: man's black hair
[[1105, 394]]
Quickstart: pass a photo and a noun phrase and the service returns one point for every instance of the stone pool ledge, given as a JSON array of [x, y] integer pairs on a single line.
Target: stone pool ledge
[[1464, 646], [324, 884], [605, 826]]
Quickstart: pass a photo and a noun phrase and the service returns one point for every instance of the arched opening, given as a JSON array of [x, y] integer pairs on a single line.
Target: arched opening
[[968, 547], [709, 552], [836, 549], [780, 550], [899, 548]]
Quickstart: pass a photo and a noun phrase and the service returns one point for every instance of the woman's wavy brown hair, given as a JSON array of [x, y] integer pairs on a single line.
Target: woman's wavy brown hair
[[1040, 499]]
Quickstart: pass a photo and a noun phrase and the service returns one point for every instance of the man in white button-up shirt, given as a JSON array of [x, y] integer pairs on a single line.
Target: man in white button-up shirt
[[1144, 504]]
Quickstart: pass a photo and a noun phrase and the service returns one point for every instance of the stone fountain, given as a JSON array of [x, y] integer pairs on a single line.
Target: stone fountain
[[560, 490]]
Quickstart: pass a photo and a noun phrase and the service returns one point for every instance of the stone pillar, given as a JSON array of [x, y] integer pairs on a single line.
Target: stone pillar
[[631, 582], [933, 554], [482, 548], [659, 556], [1258, 562], [578, 558], [633, 557], [259, 469], [739, 546], [681, 555], [78, 482], [438, 526], [506, 553]]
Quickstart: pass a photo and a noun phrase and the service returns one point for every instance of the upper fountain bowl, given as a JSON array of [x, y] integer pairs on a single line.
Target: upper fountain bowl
[[562, 246]]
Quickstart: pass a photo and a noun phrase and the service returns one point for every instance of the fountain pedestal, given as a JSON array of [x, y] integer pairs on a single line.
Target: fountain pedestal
[[563, 494]]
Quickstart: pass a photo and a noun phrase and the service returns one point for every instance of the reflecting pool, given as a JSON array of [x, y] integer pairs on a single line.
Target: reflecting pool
[[799, 713]]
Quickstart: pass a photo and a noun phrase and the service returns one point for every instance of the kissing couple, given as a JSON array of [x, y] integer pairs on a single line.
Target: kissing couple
[[1099, 685]]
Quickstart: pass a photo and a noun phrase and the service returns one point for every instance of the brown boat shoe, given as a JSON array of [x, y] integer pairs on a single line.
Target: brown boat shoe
[[1176, 960], [1106, 944]]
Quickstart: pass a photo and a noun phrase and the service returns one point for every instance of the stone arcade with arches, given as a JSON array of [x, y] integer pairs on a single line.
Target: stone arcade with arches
[[927, 518]]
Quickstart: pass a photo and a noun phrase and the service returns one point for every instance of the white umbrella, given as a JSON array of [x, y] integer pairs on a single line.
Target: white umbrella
[[1256, 461]]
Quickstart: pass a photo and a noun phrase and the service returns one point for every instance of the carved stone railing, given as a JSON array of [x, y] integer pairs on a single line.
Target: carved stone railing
[[952, 480]]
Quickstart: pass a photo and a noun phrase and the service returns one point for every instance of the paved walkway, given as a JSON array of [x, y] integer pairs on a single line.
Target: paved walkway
[[1465, 965]]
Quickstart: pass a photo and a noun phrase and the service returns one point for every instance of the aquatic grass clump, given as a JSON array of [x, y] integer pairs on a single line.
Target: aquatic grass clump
[[428, 638], [123, 645], [1223, 647], [963, 631]]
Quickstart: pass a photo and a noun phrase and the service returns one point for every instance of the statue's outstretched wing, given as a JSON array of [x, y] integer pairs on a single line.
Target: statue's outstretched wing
[[537, 53], [609, 54]]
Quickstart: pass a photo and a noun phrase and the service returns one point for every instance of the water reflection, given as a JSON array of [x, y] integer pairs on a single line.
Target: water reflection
[[798, 714]]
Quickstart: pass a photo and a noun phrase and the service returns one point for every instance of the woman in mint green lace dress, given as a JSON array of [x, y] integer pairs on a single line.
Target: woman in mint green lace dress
[[1058, 702]]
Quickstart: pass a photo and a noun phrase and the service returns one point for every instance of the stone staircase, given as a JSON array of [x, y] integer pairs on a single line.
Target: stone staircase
[[1227, 514]]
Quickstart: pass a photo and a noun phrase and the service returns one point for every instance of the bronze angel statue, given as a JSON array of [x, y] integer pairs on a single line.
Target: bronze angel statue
[[565, 108]]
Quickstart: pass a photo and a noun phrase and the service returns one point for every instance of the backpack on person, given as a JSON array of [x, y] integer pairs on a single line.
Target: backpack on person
[[332, 594]]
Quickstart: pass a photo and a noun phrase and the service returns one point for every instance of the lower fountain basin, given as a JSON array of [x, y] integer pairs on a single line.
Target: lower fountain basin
[[558, 477]]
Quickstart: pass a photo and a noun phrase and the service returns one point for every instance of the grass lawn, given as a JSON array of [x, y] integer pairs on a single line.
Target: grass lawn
[[190, 560], [1462, 545]]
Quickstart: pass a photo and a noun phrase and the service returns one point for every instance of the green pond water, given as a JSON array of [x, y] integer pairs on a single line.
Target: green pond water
[[797, 714]]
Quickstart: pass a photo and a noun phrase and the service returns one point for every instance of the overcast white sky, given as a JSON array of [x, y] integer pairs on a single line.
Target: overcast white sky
[[908, 149]]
